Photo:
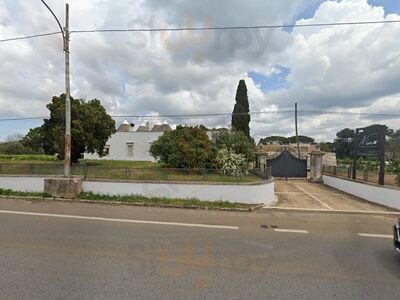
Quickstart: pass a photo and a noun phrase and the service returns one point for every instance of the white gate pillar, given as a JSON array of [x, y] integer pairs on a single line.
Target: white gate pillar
[[316, 164]]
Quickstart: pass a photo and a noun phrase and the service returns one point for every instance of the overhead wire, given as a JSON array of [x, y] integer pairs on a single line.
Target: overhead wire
[[105, 30], [218, 115], [236, 27]]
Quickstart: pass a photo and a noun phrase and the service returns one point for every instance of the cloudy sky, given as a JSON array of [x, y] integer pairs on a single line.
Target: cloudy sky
[[337, 69]]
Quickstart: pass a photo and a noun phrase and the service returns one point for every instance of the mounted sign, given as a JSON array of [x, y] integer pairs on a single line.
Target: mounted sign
[[370, 141]]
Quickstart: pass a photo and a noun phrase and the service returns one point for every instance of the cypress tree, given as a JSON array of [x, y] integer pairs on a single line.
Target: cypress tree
[[241, 112]]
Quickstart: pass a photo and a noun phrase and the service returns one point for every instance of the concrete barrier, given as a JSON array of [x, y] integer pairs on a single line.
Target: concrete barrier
[[23, 183], [252, 193], [240, 193], [68, 188], [385, 195]]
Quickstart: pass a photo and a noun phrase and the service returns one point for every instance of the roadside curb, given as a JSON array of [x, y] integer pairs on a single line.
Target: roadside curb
[[333, 211], [121, 203]]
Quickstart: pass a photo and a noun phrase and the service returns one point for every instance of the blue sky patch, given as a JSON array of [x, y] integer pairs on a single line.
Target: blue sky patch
[[390, 6], [17, 127], [274, 81]]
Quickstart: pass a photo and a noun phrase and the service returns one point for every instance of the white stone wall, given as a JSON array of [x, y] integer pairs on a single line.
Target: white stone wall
[[240, 193], [22, 184], [249, 194], [119, 148], [378, 194]]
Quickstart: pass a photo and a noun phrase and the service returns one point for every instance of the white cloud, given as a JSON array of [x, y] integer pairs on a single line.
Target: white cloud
[[331, 68]]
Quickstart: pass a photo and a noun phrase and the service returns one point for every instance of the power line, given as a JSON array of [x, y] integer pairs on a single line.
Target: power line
[[28, 37], [156, 116], [207, 28], [217, 115], [344, 113], [237, 27]]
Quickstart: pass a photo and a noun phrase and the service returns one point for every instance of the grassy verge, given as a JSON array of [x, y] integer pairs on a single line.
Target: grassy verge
[[141, 200], [6, 192], [120, 163], [118, 170], [28, 158], [137, 199]]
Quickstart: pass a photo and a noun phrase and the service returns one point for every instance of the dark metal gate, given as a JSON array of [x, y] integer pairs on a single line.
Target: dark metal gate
[[286, 165]]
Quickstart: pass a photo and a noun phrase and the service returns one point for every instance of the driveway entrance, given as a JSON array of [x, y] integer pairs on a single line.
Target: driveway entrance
[[286, 165], [304, 195]]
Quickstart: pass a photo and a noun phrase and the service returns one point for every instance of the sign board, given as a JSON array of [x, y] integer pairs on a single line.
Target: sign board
[[369, 141]]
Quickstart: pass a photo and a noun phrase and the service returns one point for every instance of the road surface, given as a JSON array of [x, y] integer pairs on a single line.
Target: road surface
[[51, 250], [300, 194]]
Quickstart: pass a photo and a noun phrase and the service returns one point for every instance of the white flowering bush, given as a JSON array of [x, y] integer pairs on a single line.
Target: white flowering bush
[[230, 163]]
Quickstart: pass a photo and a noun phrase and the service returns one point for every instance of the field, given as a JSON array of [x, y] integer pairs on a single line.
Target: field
[[118, 170], [366, 176]]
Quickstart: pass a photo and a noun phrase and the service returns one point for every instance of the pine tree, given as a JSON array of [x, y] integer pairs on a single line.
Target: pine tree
[[241, 112]]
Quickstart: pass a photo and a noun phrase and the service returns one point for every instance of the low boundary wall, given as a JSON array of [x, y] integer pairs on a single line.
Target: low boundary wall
[[389, 196], [252, 193]]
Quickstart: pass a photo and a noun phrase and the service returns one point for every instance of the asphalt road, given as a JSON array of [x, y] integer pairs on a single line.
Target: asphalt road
[[78, 251]]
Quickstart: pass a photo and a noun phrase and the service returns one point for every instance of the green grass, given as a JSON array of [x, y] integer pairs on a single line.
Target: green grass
[[28, 158], [7, 192], [121, 163], [137, 199], [47, 165], [118, 170]]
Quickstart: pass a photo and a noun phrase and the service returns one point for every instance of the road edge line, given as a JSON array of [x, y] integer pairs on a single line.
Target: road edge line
[[104, 219]]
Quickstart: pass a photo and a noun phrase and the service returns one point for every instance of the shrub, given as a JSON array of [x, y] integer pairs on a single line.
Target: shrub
[[236, 141], [230, 163], [395, 168], [184, 147]]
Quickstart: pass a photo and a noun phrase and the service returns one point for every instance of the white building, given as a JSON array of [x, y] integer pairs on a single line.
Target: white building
[[127, 144]]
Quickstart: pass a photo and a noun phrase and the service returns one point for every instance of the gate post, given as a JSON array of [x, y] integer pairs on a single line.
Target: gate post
[[316, 164]]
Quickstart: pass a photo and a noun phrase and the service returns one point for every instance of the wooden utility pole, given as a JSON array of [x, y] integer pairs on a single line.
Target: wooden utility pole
[[382, 140], [67, 158], [65, 34], [297, 130]]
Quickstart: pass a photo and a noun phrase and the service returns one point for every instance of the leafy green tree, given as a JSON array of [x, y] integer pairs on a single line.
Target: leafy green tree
[[395, 168], [377, 128], [184, 147], [326, 147], [14, 148], [236, 141], [393, 144], [302, 139], [91, 127], [241, 111], [280, 140], [344, 143], [34, 139], [13, 145]]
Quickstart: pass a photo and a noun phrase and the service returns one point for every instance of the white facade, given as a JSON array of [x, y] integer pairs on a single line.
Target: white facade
[[132, 145]]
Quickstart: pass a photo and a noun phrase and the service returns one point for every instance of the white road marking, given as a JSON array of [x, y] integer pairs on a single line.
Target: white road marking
[[300, 193], [391, 213], [118, 220], [313, 196], [290, 230], [383, 236]]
